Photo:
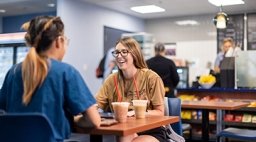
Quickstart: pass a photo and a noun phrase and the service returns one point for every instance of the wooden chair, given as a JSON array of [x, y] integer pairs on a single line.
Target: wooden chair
[[25, 127]]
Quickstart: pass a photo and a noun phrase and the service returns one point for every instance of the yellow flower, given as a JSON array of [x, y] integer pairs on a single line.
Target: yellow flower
[[207, 79]]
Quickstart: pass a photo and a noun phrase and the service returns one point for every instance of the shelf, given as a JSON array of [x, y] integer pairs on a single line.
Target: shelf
[[240, 90], [244, 109], [247, 109], [241, 124], [238, 124], [193, 121]]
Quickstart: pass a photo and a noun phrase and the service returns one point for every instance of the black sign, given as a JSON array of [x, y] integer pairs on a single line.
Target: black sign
[[251, 32]]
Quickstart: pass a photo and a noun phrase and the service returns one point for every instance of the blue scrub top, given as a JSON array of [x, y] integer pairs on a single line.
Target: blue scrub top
[[62, 92], [219, 58]]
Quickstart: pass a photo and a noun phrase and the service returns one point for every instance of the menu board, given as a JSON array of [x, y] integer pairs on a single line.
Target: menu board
[[251, 31], [234, 30]]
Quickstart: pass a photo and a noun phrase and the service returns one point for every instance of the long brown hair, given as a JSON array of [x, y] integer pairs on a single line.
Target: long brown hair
[[135, 50], [41, 32]]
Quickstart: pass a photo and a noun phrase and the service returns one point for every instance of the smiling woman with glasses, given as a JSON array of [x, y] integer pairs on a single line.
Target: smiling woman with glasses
[[133, 81]]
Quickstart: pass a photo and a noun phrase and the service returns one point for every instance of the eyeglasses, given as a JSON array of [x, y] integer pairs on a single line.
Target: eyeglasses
[[123, 52]]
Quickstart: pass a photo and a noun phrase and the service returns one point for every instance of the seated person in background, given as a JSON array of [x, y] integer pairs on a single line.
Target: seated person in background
[[134, 81], [165, 68], [43, 84]]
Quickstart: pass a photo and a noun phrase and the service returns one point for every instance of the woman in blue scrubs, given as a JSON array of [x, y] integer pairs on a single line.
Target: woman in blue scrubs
[[44, 84]]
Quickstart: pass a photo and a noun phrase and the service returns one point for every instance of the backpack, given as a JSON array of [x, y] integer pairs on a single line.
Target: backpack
[[100, 69]]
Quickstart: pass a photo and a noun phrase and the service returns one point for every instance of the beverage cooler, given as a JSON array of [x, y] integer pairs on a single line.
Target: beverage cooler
[[12, 50], [183, 73]]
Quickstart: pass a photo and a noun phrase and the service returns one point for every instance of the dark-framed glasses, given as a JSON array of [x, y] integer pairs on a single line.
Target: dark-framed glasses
[[123, 52]]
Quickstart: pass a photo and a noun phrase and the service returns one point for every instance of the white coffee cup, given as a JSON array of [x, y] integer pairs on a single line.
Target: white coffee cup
[[120, 111], [140, 107]]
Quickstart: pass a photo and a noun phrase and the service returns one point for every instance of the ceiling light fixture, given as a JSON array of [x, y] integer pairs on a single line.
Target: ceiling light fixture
[[2, 11], [147, 9], [225, 2], [221, 19], [187, 22], [51, 5]]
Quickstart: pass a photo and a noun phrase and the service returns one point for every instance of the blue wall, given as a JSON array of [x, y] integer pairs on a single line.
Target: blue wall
[[12, 24]]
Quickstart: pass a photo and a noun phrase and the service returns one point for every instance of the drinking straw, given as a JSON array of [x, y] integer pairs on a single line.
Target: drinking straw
[[136, 87], [119, 97]]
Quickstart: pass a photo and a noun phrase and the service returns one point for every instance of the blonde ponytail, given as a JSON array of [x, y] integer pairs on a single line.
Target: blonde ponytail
[[34, 72]]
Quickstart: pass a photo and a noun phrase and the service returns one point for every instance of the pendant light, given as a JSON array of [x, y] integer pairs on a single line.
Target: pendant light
[[221, 20]]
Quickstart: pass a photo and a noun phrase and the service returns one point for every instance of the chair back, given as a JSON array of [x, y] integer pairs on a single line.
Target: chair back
[[2, 111], [237, 133], [25, 127], [173, 108]]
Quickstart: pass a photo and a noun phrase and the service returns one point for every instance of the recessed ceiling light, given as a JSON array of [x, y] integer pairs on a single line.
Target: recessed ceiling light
[[225, 2], [2, 11], [51, 5], [187, 22], [147, 9]]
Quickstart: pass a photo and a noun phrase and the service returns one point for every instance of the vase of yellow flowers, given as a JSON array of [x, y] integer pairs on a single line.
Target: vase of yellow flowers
[[207, 81]]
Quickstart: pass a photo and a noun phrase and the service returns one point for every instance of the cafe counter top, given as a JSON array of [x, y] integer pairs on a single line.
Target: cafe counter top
[[220, 89], [224, 93]]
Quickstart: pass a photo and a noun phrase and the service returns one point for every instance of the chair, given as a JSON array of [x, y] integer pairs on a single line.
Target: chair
[[2, 111], [237, 133], [174, 108], [25, 127]]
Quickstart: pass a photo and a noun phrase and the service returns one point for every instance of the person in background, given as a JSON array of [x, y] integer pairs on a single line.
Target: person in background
[[227, 43], [233, 50], [109, 63], [43, 84], [165, 68], [228, 49], [133, 81]]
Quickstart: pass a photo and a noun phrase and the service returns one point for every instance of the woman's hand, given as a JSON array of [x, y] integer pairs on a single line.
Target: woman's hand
[[89, 118]]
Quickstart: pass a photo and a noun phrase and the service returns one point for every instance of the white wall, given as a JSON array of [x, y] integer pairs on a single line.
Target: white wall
[[196, 44], [198, 53], [84, 26], [166, 30]]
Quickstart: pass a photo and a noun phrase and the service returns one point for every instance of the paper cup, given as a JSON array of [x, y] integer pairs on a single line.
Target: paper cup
[[140, 107], [120, 111]]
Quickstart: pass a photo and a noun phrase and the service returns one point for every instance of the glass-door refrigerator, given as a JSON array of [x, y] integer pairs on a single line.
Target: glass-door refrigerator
[[183, 73], [11, 52], [6, 61]]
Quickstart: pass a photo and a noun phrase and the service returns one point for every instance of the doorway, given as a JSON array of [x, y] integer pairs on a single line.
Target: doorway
[[111, 35]]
